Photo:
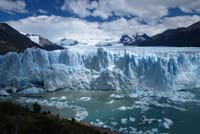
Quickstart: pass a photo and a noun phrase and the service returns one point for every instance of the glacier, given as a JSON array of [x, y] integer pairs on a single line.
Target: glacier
[[102, 68]]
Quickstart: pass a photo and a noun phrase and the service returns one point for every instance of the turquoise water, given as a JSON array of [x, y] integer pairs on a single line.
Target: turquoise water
[[128, 112]]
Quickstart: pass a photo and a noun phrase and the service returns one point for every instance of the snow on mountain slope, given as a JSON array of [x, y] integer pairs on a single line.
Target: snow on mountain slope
[[133, 40], [34, 38], [40, 40], [44, 43], [110, 68]]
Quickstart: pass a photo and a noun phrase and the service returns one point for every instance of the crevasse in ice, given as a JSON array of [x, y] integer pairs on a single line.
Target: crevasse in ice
[[102, 68]]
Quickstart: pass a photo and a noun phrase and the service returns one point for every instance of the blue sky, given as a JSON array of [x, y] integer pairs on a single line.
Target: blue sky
[[97, 19]]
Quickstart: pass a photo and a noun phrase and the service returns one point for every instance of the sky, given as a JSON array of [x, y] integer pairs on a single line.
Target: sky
[[88, 20]]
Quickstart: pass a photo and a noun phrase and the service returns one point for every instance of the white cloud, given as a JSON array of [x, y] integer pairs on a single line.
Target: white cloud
[[56, 28], [78, 7], [99, 13], [179, 21], [132, 26], [42, 11], [10, 6], [189, 6], [146, 10]]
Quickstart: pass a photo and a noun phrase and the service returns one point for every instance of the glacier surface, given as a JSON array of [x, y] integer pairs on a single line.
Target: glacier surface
[[108, 68]]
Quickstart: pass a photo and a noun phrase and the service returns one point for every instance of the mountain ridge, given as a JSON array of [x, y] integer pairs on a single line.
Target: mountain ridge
[[133, 40], [12, 40], [180, 37]]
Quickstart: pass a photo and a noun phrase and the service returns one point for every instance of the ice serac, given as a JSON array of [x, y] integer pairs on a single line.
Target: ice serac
[[102, 68]]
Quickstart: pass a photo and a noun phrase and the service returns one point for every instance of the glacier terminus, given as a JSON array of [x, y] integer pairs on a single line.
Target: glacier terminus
[[102, 68]]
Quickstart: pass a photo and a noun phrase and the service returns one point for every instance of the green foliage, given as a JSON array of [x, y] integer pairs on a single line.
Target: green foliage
[[73, 119], [48, 112], [36, 108]]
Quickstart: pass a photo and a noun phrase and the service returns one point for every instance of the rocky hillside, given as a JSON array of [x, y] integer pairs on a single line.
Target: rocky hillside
[[15, 119], [44, 43], [41, 41], [181, 37], [12, 40]]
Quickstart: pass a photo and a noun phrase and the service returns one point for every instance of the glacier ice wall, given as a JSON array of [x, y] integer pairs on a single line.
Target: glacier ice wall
[[102, 69]]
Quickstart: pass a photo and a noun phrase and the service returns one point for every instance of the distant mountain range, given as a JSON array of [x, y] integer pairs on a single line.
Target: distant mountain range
[[12, 40], [46, 43], [133, 40]]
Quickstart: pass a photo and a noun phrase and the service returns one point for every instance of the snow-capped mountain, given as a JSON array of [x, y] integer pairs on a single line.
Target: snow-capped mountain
[[40, 40], [43, 42], [12, 40], [133, 40], [35, 38]]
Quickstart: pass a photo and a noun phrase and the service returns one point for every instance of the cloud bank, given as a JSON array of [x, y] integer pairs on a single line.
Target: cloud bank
[[56, 27], [10, 6], [146, 10]]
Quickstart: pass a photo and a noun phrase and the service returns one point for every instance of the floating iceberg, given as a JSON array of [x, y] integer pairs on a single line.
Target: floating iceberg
[[4, 93], [124, 108], [167, 123], [116, 96], [33, 90], [62, 98], [123, 121], [131, 119], [85, 98]]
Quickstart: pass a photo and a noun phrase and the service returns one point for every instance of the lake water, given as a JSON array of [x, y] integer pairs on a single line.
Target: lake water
[[138, 111]]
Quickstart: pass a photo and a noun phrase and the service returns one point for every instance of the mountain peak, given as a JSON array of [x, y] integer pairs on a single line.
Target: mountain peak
[[4, 25], [133, 40]]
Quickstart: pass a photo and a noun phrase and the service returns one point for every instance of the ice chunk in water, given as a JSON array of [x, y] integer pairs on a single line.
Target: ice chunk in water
[[33, 90], [167, 123], [116, 96], [131, 119], [123, 120], [62, 98], [85, 98]]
